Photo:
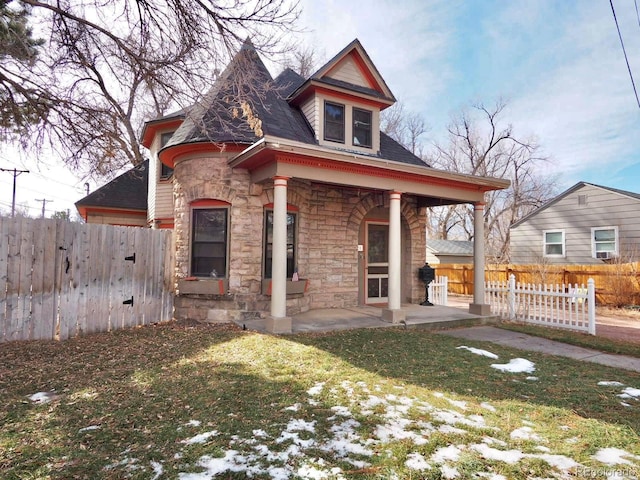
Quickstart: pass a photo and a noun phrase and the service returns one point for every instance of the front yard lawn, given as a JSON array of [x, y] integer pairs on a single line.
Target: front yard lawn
[[199, 402]]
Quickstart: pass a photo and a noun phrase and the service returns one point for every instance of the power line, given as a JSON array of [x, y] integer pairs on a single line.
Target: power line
[[625, 52], [637, 14]]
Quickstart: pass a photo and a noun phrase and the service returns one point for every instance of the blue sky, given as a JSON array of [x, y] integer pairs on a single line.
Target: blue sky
[[558, 64]]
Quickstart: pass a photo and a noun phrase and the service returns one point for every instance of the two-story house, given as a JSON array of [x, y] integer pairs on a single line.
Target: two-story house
[[284, 195]]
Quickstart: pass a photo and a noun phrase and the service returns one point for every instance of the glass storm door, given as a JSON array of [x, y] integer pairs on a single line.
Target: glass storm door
[[377, 268]]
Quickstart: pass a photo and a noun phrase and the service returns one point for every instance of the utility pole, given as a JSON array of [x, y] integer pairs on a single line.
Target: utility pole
[[44, 202], [15, 172]]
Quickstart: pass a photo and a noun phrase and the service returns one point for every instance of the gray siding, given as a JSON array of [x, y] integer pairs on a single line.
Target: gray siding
[[603, 208]]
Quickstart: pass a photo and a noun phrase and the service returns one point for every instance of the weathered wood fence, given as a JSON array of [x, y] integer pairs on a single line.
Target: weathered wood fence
[[60, 279], [617, 284]]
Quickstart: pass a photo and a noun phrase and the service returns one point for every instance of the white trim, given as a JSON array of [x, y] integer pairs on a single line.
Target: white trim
[[544, 244], [616, 249]]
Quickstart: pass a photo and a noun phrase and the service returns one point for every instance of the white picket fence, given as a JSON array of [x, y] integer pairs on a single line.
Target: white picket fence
[[563, 306], [438, 291]]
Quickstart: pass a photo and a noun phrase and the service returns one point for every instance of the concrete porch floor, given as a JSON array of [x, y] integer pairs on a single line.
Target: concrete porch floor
[[417, 316]]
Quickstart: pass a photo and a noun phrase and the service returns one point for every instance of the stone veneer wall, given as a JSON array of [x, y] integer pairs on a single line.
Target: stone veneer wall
[[328, 219]]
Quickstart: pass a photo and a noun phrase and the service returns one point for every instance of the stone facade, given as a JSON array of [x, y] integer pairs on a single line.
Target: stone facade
[[330, 223]]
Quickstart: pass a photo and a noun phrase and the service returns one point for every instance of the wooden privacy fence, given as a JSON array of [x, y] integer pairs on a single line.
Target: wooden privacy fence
[[60, 279], [617, 284], [563, 306]]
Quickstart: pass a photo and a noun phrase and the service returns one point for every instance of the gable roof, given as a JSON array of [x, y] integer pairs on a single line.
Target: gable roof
[[568, 192], [372, 85], [450, 247], [127, 191]]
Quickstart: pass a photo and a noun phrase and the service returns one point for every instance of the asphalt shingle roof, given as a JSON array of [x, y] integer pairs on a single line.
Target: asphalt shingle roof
[[450, 247], [128, 190], [219, 117]]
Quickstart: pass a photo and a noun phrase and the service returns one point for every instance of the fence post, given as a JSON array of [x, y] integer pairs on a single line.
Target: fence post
[[445, 291], [591, 305], [511, 295]]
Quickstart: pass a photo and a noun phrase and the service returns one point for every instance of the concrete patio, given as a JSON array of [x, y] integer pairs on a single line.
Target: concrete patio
[[417, 316]]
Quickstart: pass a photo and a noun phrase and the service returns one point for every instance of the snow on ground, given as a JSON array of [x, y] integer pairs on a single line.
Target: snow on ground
[[478, 351], [516, 365], [290, 449], [627, 393]]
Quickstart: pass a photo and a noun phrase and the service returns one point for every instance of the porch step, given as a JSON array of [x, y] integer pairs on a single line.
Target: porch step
[[439, 324]]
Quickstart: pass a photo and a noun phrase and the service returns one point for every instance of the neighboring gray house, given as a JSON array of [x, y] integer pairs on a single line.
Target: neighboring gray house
[[587, 224], [449, 251]]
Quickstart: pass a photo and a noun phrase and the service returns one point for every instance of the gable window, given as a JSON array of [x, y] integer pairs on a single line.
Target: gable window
[[165, 172], [553, 243], [361, 128], [334, 122], [209, 242], [604, 242], [268, 243]]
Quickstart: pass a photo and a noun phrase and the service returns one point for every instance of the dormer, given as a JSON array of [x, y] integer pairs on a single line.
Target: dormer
[[342, 101]]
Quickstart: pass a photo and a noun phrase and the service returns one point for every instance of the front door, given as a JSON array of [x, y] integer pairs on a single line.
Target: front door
[[377, 267]]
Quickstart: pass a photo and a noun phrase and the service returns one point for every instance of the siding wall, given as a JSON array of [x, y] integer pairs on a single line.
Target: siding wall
[[117, 219], [347, 71], [603, 208], [160, 196]]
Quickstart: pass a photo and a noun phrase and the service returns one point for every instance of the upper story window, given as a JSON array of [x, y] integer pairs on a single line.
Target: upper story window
[[361, 128], [333, 122], [209, 242], [268, 243], [553, 243], [165, 172], [604, 242]]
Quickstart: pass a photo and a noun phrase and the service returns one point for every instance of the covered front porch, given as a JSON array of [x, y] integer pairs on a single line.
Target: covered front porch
[[382, 230], [416, 316]]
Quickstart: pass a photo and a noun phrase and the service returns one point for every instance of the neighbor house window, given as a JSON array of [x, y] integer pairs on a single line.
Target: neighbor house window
[[165, 172], [604, 241], [361, 128], [209, 242], [334, 122], [553, 243], [268, 243]]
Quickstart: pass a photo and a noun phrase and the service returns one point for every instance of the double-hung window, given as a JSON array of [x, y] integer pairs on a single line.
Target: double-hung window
[[209, 242], [165, 172], [361, 128], [553, 243], [334, 122], [604, 242], [268, 243]]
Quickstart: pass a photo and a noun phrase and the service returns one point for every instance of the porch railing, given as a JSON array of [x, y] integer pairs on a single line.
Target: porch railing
[[563, 306], [438, 291]]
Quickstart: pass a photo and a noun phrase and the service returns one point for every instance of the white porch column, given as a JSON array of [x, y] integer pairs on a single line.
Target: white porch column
[[478, 306], [394, 313], [278, 322]]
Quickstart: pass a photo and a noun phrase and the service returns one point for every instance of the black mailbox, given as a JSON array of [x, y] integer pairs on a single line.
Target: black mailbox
[[427, 274]]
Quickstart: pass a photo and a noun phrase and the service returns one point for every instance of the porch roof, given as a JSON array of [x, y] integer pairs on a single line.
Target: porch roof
[[272, 156]]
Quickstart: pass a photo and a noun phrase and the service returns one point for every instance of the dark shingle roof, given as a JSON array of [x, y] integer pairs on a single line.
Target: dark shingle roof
[[128, 190], [288, 81], [219, 116]]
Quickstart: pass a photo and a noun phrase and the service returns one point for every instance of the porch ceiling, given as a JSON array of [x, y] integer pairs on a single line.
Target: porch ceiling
[[273, 157]]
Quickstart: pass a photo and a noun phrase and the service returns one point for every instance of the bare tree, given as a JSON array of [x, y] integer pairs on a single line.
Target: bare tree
[[479, 143], [303, 60], [407, 128], [108, 66]]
